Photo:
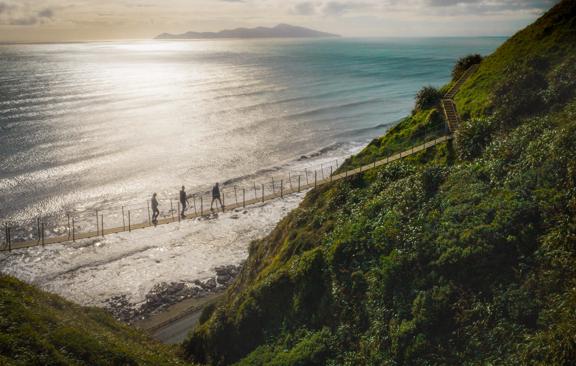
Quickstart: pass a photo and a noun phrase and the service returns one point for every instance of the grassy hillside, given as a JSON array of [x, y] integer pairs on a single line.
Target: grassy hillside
[[461, 255], [37, 328]]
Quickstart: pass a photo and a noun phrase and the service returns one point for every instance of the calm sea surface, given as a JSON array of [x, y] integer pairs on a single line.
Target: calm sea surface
[[87, 126]]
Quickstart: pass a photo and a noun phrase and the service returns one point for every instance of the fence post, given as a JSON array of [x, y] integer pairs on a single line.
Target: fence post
[[315, 178], [236, 195], [201, 206], [298, 183], [290, 180], [43, 242], [223, 199], [282, 188], [262, 192], [73, 230], [102, 225], [331, 173], [149, 217], [243, 197], [255, 191], [129, 222], [9, 234], [179, 214], [97, 223], [123, 220], [69, 233], [38, 229]]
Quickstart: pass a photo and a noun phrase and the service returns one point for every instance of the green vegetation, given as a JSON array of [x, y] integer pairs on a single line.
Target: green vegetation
[[37, 328], [461, 255], [542, 48], [427, 98], [464, 64]]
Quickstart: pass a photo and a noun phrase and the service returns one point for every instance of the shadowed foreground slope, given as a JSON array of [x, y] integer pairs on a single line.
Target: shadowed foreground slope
[[463, 254], [37, 328]]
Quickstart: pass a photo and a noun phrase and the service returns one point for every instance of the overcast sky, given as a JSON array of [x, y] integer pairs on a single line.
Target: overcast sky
[[69, 20]]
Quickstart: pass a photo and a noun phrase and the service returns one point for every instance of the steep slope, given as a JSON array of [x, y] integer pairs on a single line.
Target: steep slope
[[37, 328], [461, 255], [536, 54]]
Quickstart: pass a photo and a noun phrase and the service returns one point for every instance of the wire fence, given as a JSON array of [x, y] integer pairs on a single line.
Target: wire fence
[[72, 226]]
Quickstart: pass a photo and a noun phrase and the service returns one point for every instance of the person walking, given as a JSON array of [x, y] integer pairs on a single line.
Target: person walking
[[155, 210], [216, 197], [183, 201]]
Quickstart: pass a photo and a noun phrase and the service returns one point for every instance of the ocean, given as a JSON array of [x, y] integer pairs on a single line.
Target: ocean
[[93, 125], [96, 126]]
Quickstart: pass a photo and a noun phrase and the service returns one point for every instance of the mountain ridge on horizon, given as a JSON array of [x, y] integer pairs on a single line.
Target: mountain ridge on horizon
[[278, 31]]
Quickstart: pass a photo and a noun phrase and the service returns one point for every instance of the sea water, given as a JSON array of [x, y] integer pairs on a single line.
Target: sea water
[[92, 126]]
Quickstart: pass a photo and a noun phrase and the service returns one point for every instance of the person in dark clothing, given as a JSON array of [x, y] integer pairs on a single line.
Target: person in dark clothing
[[183, 201], [216, 197], [155, 210]]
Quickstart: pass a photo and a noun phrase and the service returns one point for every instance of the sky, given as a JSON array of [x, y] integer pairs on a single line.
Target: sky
[[84, 20]]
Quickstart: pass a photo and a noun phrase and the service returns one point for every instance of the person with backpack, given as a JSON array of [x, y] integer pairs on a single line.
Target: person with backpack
[[183, 202], [216, 197], [155, 210]]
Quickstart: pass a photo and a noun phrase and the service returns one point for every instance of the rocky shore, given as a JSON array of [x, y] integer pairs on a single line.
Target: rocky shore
[[164, 295]]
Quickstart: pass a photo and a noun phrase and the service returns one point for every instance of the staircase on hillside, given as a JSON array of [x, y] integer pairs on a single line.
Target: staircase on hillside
[[451, 114], [456, 87], [448, 105]]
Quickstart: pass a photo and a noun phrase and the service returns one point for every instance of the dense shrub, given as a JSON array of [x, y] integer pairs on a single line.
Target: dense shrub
[[427, 97], [562, 83], [519, 94], [464, 64], [473, 136]]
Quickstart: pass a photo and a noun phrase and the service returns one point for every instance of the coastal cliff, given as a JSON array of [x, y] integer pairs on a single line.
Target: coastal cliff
[[462, 254]]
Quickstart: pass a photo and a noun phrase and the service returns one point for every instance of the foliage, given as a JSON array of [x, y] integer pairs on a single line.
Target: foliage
[[473, 136], [37, 328], [463, 64], [427, 98], [459, 255], [550, 38]]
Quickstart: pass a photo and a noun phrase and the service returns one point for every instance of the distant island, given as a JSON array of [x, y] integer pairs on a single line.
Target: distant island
[[279, 31]]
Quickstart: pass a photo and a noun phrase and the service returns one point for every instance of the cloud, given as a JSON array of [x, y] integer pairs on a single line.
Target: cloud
[[335, 8], [330, 8], [46, 13], [21, 16], [28, 21], [5, 8], [305, 8], [480, 7]]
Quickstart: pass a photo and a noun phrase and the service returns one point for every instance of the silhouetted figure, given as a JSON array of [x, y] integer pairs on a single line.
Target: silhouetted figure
[[155, 210], [216, 197], [183, 201]]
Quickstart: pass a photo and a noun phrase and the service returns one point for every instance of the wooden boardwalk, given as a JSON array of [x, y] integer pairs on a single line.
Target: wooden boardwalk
[[243, 203]]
